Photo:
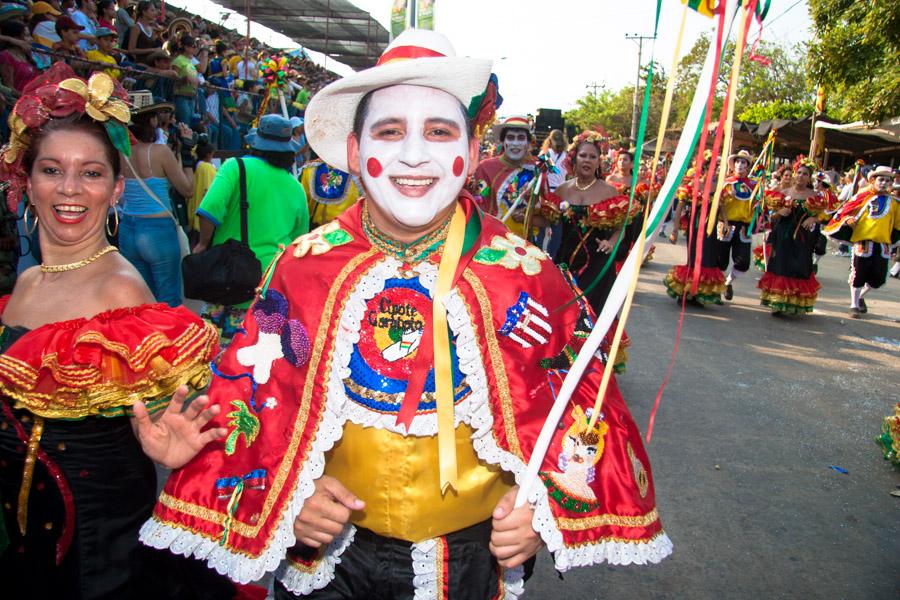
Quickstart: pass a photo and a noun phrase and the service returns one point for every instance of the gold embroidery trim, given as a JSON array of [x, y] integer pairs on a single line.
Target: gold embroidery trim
[[607, 520], [640, 473], [287, 462], [493, 346], [619, 540], [78, 402], [397, 399]]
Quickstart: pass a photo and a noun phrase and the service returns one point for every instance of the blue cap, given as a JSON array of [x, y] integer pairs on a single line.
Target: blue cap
[[104, 32], [273, 135], [296, 122]]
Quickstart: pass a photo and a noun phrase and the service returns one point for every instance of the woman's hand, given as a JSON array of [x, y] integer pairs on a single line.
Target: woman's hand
[[850, 222], [185, 132], [513, 539], [176, 436], [784, 212], [325, 513], [605, 246]]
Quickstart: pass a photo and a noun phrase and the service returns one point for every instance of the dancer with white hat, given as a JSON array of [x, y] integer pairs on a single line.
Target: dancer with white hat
[[735, 215], [396, 369], [871, 221]]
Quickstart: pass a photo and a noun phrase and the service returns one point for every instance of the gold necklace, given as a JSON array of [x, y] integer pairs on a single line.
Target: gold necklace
[[411, 253], [587, 187], [77, 265]]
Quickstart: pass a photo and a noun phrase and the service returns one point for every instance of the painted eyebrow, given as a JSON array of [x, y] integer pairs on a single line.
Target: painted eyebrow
[[386, 122], [441, 121]]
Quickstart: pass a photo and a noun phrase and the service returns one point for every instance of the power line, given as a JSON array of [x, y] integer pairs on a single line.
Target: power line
[[784, 12]]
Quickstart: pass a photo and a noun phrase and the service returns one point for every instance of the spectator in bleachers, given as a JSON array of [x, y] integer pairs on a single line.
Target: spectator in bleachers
[[17, 67], [185, 91], [43, 24], [204, 173], [106, 41], [143, 38], [69, 33], [85, 14], [124, 22], [106, 14]]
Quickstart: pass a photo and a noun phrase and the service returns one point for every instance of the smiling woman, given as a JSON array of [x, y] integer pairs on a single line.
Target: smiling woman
[[85, 356]]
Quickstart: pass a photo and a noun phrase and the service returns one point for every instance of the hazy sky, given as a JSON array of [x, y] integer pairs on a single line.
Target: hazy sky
[[545, 53]]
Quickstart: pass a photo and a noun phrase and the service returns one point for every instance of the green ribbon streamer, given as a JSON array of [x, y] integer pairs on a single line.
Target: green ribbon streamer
[[638, 147]]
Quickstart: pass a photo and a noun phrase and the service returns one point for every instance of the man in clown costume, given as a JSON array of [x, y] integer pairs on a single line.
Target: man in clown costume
[[499, 181], [736, 213], [393, 376]]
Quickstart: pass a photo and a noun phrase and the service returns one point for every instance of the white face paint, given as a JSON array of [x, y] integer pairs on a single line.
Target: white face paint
[[881, 183], [741, 166], [413, 152], [515, 144]]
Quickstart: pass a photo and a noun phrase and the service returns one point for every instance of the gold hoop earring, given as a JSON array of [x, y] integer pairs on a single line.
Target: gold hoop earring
[[29, 230], [113, 233]]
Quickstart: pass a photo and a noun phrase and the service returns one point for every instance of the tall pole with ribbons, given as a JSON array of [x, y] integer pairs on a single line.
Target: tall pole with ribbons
[[619, 290]]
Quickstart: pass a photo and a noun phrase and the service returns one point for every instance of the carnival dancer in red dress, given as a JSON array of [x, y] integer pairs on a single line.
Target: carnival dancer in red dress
[[85, 355], [735, 215], [679, 279], [871, 221], [789, 285], [593, 215], [500, 181], [409, 347]]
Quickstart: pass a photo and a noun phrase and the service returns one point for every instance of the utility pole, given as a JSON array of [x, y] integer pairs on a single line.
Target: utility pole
[[639, 39], [594, 86]]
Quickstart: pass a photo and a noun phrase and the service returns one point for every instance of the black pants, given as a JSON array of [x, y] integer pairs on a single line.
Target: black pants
[[736, 247], [869, 265], [374, 567]]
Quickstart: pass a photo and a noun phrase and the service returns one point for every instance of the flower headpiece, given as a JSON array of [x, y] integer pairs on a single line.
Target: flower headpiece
[[595, 136], [273, 71], [804, 161], [58, 94]]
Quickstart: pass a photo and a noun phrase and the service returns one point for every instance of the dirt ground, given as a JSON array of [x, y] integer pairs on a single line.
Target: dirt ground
[[758, 410]]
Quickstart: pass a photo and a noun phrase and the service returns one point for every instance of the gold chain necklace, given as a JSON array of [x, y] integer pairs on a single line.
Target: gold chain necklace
[[407, 253], [587, 187], [77, 265]]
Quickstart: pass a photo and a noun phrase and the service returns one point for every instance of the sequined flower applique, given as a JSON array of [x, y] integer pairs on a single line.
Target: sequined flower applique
[[321, 240], [512, 252]]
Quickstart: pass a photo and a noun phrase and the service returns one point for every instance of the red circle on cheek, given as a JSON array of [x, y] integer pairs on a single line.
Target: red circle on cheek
[[458, 166], [373, 167]]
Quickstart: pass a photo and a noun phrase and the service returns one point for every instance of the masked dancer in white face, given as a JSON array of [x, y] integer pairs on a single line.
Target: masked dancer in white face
[[395, 372], [871, 221], [499, 181], [735, 214]]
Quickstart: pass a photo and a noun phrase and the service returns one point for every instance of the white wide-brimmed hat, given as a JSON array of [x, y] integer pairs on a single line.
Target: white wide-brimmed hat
[[416, 57], [741, 154], [882, 170]]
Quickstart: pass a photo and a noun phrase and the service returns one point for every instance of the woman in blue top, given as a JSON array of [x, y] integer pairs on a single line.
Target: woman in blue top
[[148, 236]]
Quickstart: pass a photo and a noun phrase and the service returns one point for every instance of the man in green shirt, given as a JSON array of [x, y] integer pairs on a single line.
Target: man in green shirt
[[277, 212]]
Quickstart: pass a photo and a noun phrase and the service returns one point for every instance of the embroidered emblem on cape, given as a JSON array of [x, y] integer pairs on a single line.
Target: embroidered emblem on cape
[[321, 240], [254, 480], [567, 355], [245, 424], [384, 357], [512, 252], [512, 186], [525, 322], [581, 450], [640, 473], [879, 206], [742, 191], [329, 184], [279, 337]]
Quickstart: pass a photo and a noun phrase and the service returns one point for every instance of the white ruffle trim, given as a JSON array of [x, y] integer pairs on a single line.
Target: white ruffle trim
[[424, 570], [301, 583], [241, 568], [425, 583], [615, 553]]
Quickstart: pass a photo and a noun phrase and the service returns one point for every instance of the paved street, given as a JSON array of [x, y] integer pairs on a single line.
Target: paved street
[[757, 411]]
